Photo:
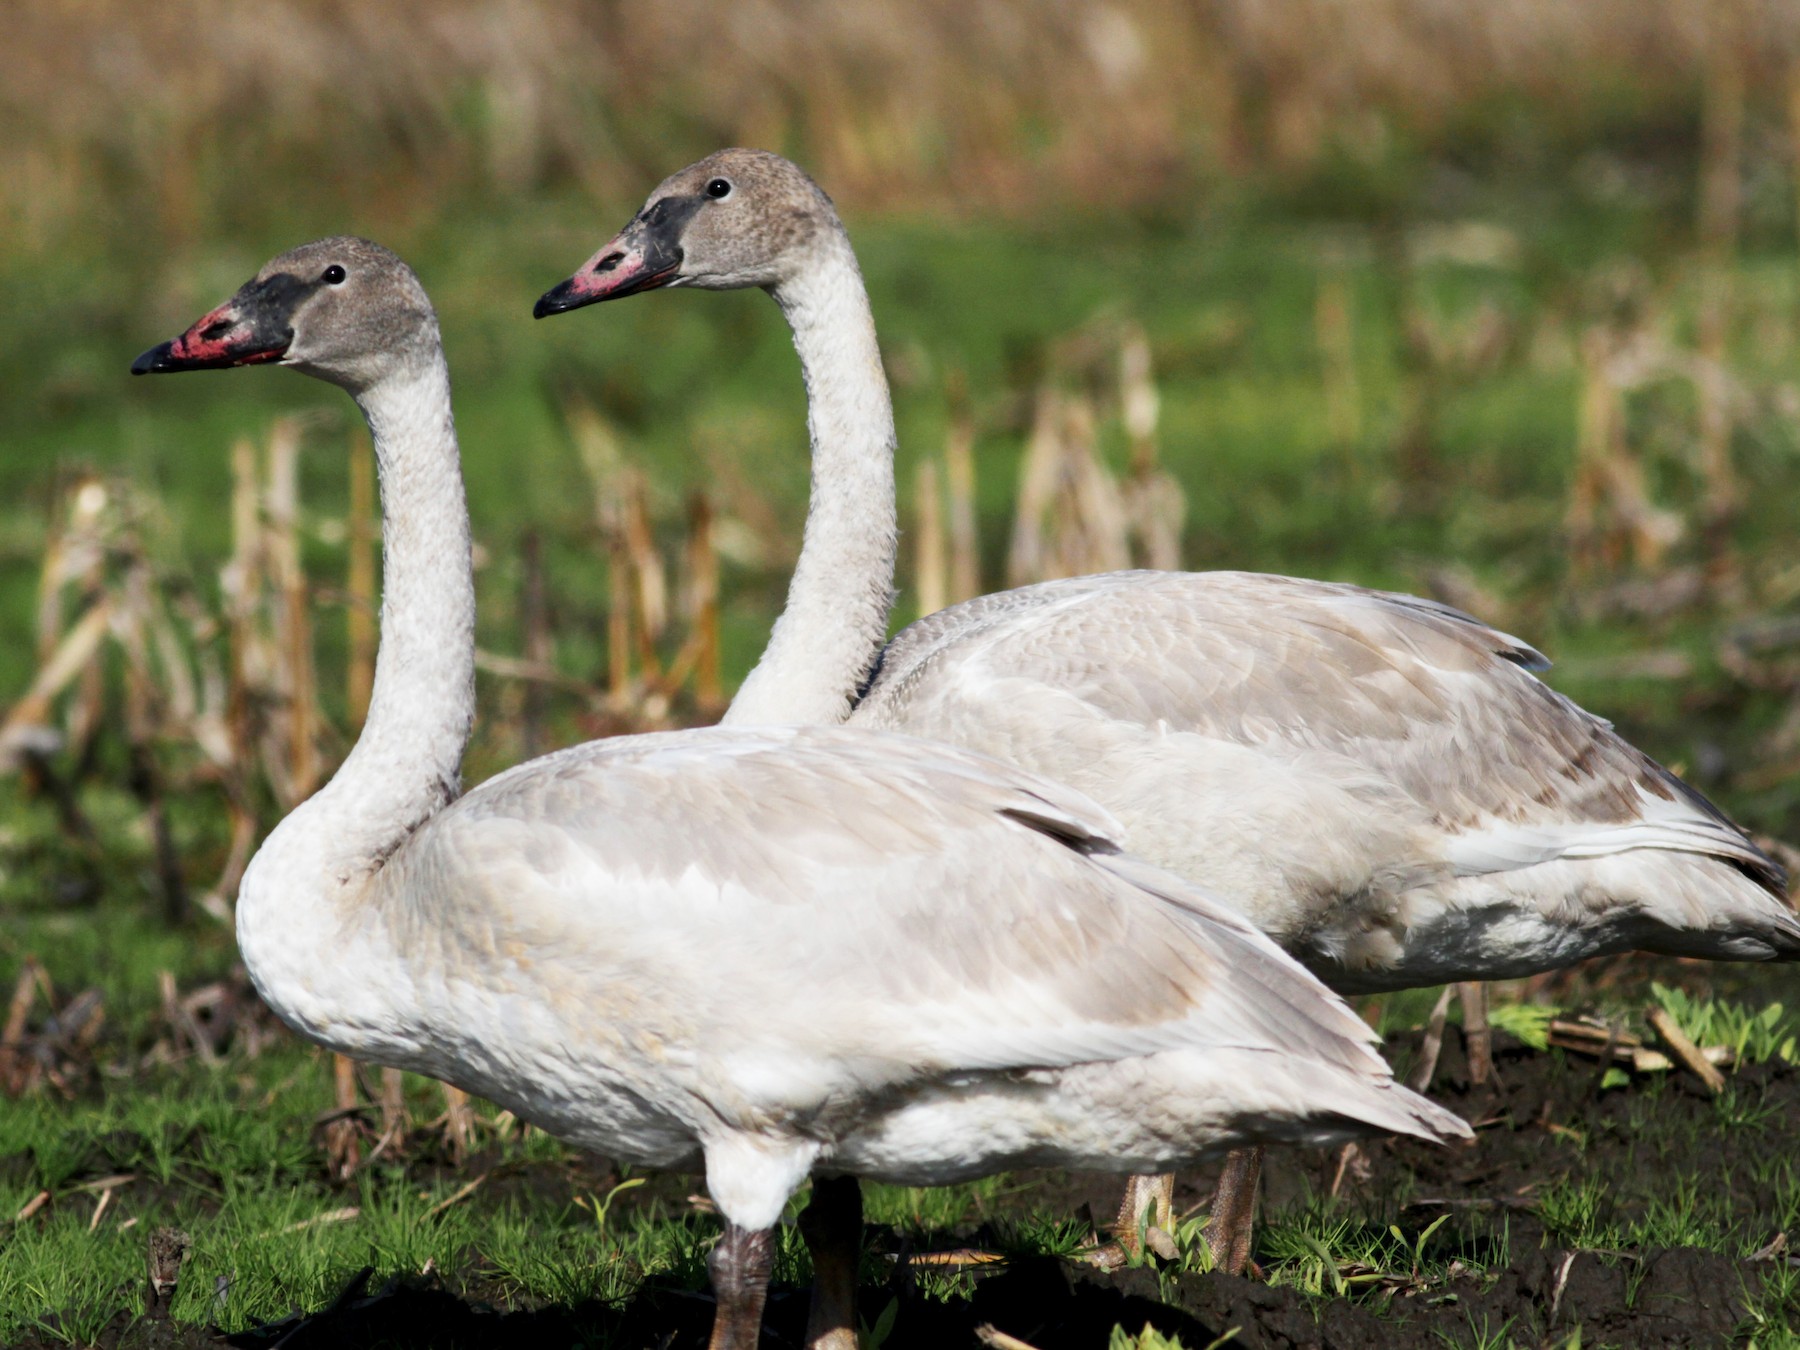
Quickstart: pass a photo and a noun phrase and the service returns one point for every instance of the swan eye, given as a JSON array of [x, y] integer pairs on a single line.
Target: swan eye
[[718, 188], [334, 275]]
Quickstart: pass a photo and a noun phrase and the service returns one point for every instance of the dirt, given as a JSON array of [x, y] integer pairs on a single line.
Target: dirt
[[1548, 1122]]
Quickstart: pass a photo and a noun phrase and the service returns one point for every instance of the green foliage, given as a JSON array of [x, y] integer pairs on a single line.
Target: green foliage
[[1755, 1036], [1484, 1336], [1773, 1305], [1328, 1248], [1575, 1212], [874, 1337], [1528, 1022], [229, 1155], [923, 1210]]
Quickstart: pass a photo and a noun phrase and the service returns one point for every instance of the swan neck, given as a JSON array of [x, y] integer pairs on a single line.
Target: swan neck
[[827, 638], [422, 702], [405, 765]]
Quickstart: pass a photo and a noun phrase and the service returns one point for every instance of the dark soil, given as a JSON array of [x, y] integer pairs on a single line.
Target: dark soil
[[1547, 1123]]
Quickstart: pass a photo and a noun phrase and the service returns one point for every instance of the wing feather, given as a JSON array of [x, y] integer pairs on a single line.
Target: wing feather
[[1441, 706], [786, 899]]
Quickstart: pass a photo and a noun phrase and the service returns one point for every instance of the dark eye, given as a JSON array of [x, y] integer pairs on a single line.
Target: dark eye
[[334, 275], [718, 188]]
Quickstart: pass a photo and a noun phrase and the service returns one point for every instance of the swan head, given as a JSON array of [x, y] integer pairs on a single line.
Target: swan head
[[341, 309], [738, 218]]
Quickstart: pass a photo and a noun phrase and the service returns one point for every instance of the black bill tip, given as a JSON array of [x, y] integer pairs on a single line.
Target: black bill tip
[[560, 299], [156, 360]]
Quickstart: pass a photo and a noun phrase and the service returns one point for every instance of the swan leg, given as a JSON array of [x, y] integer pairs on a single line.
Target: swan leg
[[1234, 1210], [740, 1267], [1149, 1203], [831, 1223], [394, 1118], [1426, 1069], [459, 1123], [1478, 1036], [343, 1143]]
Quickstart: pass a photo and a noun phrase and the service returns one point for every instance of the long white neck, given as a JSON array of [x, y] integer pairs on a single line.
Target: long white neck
[[301, 893], [827, 638]]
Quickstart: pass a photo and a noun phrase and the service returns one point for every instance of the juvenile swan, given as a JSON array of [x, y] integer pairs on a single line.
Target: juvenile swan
[[768, 953], [1377, 781]]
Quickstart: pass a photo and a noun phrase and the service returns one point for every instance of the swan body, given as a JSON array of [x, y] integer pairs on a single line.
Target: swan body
[[564, 940], [1378, 781], [765, 952]]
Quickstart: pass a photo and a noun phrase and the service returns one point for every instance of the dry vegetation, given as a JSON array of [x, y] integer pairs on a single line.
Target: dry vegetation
[[122, 109]]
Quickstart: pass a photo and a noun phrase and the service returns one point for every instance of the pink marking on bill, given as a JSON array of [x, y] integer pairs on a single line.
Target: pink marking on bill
[[630, 266], [190, 346]]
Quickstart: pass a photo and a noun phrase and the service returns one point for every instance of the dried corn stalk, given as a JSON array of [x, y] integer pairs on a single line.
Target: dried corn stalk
[[641, 687], [1721, 150], [930, 566], [1155, 506], [1071, 516], [1611, 516]]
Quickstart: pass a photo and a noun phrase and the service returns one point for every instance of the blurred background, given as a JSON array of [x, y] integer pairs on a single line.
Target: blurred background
[[1496, 303]]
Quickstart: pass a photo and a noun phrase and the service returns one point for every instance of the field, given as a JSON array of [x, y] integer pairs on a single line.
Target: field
[[1538, 356], [1595, 1208]]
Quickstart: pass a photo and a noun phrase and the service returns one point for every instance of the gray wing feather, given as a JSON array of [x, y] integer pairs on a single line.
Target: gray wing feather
[[957, 914], [1443, 706]]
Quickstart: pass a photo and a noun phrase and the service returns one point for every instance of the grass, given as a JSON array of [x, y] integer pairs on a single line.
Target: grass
[[1755, 1036], [230, 1156]]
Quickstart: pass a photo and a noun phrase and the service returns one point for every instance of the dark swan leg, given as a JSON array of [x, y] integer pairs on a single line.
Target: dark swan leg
[[1234, 1210], [740, 1267], [831, 1223]]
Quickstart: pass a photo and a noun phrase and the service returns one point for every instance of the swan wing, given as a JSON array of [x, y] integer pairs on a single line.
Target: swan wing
[[1438, 705], [792, 916]]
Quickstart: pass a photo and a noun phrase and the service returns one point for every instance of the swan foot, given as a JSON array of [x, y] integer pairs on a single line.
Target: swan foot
[[1233, 1216], [831, 1223], [740, 1267]]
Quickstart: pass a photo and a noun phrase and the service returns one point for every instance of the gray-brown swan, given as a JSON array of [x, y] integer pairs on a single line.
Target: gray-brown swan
[[769, 953], [1378, 781]]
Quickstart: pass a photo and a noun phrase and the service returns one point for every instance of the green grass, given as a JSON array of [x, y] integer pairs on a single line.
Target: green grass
[[230, 1156], [1755, 1036]]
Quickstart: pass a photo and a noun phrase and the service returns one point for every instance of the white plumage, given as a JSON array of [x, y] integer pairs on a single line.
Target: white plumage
[[762, 951], [1378, 781]]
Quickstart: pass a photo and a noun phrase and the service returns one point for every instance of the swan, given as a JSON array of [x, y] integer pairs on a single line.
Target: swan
[[764, 952], [1379, 782]]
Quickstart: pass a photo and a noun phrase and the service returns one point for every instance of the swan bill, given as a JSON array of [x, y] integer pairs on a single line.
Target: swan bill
[[252, 328], [644, 256], [610, 274]]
